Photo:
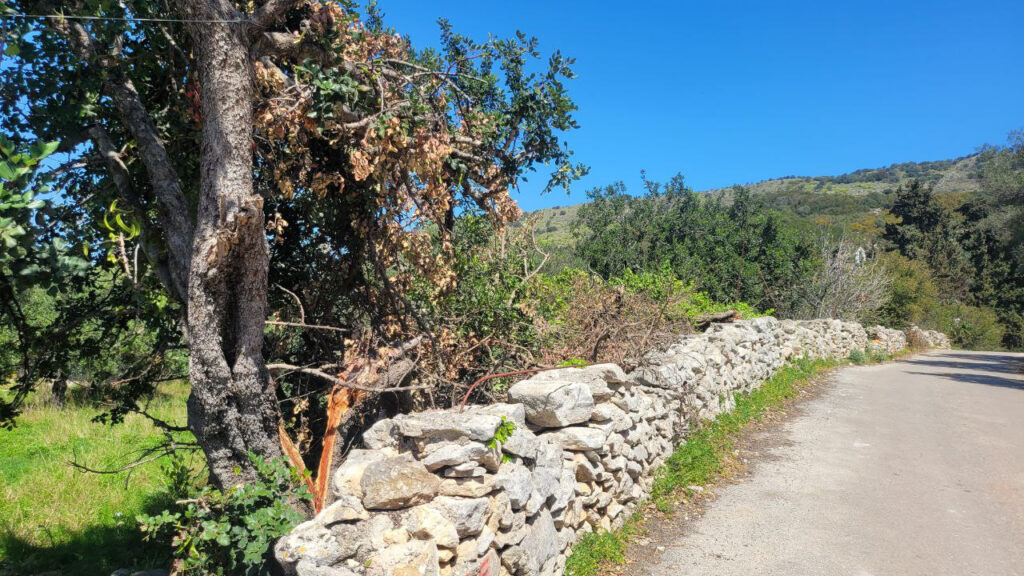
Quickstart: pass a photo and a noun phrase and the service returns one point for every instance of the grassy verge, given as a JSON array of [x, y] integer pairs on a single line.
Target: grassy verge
[[701, 460], [54, 517]]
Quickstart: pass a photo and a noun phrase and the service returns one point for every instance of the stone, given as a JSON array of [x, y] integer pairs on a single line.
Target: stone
[[349, 475], [474, 548], [592, 377], [578, 438], [307, 568], [448, 453], [345, 509], [515, 413], [414, 558], [614, 509], [533, 504], [553, 403], [310, 542], [396, 536], [467, 487], [541, 543], [585, 471], [522, 443], [565, 491], [467, 514], [396, 483], [383, 434], [427, 522], [516, 480], [613, 416], [449, 425], [465, 470]]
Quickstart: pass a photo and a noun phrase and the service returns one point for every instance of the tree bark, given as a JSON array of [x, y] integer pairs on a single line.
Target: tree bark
[[233, 406]]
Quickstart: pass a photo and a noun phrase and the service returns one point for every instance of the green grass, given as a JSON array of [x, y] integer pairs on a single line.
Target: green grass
[[698, 462], [54, 517]]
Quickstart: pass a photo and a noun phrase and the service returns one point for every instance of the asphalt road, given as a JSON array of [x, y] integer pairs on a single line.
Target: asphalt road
[[914, 467]]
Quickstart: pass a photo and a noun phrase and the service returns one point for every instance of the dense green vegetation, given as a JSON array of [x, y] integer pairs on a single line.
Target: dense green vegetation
[[735, 251], [942, 243]]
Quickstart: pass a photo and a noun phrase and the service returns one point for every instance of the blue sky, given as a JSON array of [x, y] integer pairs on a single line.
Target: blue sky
[[734, 92]]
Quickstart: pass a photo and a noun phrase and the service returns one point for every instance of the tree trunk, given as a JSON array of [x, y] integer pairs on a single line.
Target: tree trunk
[[233, 406]]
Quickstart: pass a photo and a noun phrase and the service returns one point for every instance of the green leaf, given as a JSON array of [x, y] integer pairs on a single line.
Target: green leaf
[[6, 173], [48, 148]]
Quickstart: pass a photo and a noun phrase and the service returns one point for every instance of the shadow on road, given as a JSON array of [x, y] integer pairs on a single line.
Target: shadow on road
[[990, 369], [973, 378], [992, 362]]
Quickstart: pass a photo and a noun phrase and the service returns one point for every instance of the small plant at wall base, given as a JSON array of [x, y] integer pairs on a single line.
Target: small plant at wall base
[[231, 532]]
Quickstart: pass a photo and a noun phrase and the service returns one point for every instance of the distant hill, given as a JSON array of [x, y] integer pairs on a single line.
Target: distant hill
[[958, 175], [829, 200]]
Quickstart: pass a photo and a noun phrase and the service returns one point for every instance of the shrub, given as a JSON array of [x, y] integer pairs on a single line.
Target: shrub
[[912, 292], [231, 532], [971, 327], [858, 357]]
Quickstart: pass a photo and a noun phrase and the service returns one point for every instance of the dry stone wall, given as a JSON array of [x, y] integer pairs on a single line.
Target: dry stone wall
[[508, 488]]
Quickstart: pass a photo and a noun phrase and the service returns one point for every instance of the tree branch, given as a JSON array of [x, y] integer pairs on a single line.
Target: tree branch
[[173, 208], [344, 383]]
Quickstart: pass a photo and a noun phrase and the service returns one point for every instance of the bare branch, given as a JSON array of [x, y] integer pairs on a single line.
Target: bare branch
[[303, 325], [302, 311], [338, 381]]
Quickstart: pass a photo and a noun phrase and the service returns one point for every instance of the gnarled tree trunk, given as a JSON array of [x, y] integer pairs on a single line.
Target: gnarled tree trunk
[[233, 407]]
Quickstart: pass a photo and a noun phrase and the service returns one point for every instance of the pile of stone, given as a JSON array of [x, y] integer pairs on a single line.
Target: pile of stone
[[918, 338], [886, 340], [508, 488]]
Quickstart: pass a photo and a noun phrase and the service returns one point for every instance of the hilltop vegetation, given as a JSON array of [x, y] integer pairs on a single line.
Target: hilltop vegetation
[[932, 243], [832, 200]]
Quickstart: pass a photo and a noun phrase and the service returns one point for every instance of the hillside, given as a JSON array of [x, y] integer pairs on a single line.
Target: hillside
[[957, 175], [827, 200]]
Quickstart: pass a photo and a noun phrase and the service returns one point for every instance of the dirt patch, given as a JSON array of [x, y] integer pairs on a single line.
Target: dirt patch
[[755, 444]]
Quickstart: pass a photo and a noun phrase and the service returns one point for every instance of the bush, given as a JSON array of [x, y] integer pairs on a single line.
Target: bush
[[913, 295], [231, 532], [858, 357], [970, 327]]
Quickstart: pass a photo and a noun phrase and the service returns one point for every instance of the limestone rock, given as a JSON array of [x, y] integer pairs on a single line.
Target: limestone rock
[[467, 487], [516, 481], [414, 558], [383, 434], [345, 509], [395, 483], [307, 568], [594, 377], [553, 403], [427, 522], [467, 514], [539, 546], [449, 425], [449, 453], [311, 542], [348, 477], [578, 438]]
